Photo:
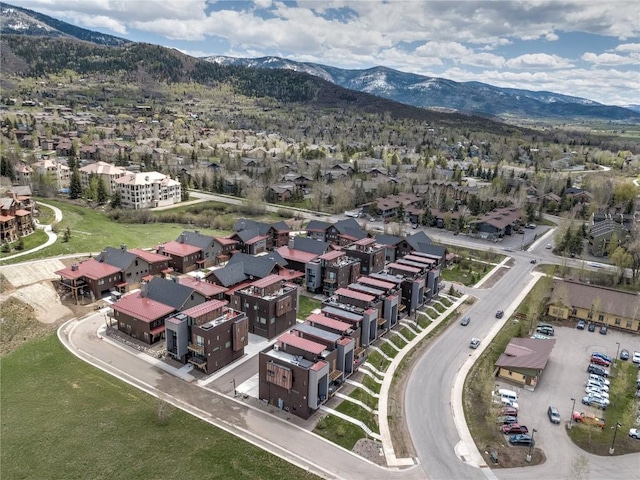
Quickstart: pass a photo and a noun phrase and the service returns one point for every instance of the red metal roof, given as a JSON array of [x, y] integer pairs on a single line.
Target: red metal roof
[[237, 287], [205, 307], [157, 330], [329, 322], [150, 257], [253, 240], [345, 292], [267, 281], [296, 255], [415, 258], [91, 268], [374, 282], [406, 268], [316, 367], [225, 241], [332, 255], [301, 343], [365, 241], [180, 249], [142, 308], [207, 289], [290, 274]]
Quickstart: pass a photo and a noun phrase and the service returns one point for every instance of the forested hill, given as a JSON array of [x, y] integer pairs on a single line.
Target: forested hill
[[29, 56]]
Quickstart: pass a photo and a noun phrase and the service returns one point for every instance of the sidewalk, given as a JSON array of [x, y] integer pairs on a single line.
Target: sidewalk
[[383, 402]]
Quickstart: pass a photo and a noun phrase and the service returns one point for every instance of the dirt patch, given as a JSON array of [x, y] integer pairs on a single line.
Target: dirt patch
[[45, 302], [370, 450], [512, 457], [32, 272], [19, 324], [493, 279]]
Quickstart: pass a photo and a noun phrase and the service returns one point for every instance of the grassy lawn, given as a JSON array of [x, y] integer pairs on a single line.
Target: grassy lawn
[[446, 302], [408, 334], [91, 231], [46, 216], [365, 398], [339, 431], [423, 321], [359, 413], [38, 237], [388, 349], [457, 275], [622, 410], [438, 307], [371, 384], [377, 360], [62, 418], [307, 305], [397, 341]]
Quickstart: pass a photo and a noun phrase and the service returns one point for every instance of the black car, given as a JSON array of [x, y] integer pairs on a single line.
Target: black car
[[499, 314], [624, 354], [521, 439], [603, 330], [592, 327], [465, 321]]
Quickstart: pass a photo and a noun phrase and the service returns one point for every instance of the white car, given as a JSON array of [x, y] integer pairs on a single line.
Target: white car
[[636, 357], [475, 342], [597, 378], [599, 386], [600, 397], [634, 433], [596, 391]]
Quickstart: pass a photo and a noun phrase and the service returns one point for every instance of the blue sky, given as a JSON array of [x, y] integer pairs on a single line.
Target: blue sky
[[584, 48]]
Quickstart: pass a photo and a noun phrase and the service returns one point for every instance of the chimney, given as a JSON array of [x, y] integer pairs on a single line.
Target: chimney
[[123, 247], [182, 238], [160, 248], [291, 243], [74, 267], [144, 288]]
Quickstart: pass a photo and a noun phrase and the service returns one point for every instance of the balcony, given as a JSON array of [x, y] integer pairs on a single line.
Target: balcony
[[197, 349]]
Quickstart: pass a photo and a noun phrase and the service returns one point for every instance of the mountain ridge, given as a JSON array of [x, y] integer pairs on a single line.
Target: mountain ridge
[[435, 92]]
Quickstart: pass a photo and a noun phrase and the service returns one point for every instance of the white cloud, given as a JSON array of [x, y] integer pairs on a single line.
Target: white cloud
[[609, 59], [628, 47], [538, 60]]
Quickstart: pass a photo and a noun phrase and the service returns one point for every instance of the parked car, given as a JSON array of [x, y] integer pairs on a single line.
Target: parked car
[[530, 225], [514, 428], [598, 370], [588, 419], [580, 325], [499, 314], [600, 361], [554, 414], [595, 402], [592, 327], [624, 354], [602, 356], [508, 411], [603, 330], [521, 439], [634, 433], [597, 378], [601, 386], [596, 392], [475, 342], [548, 247], [465, 321], [534, 260], [636, 357], [507, 420]]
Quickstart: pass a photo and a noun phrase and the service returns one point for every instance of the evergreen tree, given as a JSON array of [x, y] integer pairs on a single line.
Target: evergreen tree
[[116, 200], [101, 192], [75, 186], [6, 168]]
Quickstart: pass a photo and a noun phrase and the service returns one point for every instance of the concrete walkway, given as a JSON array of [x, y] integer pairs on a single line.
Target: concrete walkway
[[383, 402]]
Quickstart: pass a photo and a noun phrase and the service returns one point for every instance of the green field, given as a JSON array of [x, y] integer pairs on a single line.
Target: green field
[[63, 419], [306, 306], [92, 230]]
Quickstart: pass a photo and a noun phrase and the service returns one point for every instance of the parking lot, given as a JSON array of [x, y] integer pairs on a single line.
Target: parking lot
[[563, 379]]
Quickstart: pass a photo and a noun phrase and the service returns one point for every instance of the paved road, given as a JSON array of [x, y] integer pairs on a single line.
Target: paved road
[[284, 439]]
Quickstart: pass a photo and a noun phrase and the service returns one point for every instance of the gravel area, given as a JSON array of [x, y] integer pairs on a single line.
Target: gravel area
[[370, 450]]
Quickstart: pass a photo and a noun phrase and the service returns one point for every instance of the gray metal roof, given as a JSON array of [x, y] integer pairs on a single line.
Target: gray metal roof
[[310, 245], [116, 257], [169, 292], [317, 332]]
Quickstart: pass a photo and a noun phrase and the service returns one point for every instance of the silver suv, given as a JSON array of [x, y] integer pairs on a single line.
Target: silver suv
[[554, 414]]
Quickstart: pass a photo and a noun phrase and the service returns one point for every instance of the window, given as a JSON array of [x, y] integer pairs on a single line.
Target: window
[[618, 321], [227, 344], [601, 318], [199, 341], [272, 321], [629, 324]]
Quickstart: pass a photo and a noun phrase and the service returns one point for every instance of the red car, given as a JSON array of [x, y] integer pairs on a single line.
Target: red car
[[508, 411], [600, 361], [514, 428]]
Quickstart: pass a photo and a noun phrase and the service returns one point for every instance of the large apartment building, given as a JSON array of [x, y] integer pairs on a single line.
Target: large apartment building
[[107, 172], [148, 190]]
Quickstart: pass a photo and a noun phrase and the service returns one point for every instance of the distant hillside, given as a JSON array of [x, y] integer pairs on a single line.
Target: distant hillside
[[30, 56], [20, 21], [432, 92]]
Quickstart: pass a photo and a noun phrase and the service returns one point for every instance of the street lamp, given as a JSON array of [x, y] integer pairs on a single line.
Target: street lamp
[[615, 359], [611, 450], [573, 407], [235, 393], [531, 445]]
